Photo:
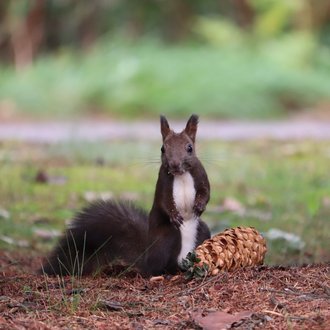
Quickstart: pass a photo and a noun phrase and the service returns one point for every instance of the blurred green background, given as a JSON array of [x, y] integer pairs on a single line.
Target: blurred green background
[[224, 59]]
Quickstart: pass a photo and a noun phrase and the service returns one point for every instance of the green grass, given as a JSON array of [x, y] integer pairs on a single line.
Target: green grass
[[121, 79], [281, 185]]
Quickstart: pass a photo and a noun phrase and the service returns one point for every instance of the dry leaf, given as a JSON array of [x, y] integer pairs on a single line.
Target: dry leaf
[[47, 234], [91, 196], [110, 305], [41, 176], [12, 241], [4, 214], [157, 279], [219, 320], [129, 196], [231, 204]]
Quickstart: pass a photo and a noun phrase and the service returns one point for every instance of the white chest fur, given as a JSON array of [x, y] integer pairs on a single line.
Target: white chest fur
[[184, 197], [184, 194]]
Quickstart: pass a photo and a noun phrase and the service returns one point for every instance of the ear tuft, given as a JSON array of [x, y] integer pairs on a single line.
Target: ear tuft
[[164, 127], [191, 127]]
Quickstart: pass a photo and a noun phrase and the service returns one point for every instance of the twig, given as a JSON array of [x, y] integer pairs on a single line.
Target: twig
[[205, 282], [272, 312], [290, 292], [276, 303]]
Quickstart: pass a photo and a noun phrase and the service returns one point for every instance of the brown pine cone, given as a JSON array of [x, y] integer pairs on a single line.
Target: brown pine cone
[[228, 250]]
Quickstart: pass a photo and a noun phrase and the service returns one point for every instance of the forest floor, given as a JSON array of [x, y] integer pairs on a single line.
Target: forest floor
[[257, 298]]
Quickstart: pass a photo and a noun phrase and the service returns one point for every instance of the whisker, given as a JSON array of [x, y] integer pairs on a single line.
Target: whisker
[[145, 163]]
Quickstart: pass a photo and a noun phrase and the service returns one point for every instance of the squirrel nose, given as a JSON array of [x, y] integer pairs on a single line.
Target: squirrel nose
[[175, 167]]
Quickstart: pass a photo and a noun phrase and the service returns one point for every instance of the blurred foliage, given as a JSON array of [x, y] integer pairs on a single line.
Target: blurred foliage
[[148, 77], [164, 56], [46, 25]]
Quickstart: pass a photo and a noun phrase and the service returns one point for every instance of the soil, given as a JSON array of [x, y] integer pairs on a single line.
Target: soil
[[254, 298]]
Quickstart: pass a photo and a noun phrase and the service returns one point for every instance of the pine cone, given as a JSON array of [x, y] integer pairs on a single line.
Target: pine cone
[[229, 250]]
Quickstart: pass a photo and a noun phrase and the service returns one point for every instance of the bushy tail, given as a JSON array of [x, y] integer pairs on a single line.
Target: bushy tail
[[102, 233]]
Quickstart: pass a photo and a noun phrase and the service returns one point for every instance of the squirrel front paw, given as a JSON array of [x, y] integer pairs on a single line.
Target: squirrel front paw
[[199, 207], [176, 220]]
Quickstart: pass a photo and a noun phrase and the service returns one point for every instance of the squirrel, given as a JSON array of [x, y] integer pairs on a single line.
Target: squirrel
[[108, 232]]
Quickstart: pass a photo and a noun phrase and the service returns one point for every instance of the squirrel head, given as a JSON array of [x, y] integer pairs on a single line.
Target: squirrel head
[[178, 149]]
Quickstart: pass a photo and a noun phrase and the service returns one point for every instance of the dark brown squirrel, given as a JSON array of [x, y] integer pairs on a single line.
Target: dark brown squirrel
[[108, 232]]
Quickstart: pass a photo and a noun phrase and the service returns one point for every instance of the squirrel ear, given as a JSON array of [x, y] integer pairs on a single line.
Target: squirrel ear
[[164, 127], [191, 127]]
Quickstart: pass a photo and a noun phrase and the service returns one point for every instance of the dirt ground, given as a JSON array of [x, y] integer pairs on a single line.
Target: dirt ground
[[257, 298]]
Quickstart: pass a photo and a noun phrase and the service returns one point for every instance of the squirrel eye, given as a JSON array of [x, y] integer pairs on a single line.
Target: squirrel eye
[[162, 149], [189, 148]]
